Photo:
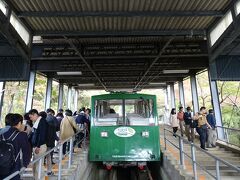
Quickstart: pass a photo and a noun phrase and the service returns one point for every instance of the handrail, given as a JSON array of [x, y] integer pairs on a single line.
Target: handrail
[[228, 135], [233, 129], [59, 145], [193, 146], [211, 155]]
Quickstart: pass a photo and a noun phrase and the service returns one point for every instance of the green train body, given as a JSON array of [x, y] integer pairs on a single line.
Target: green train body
[[124, 129]]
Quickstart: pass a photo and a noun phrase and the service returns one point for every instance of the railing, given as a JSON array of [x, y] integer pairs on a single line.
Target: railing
[[60, 147], [231, 135], [192, 156]]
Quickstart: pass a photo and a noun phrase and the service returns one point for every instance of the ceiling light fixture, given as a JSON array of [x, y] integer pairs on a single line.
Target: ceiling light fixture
[[157, 83], [185, 71], [37, 39], [69, 73], [86, 84]]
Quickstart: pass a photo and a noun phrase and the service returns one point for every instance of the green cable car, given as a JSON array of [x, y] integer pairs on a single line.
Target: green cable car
[[124, 129]]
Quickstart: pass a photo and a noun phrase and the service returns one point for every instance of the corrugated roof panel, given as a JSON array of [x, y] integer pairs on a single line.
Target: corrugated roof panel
[[118, 5], [121, 23]]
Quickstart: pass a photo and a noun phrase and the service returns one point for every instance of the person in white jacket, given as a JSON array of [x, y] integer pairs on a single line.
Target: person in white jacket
[[174, 121]]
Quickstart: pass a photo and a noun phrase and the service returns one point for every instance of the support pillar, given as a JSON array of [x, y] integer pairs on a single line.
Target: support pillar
[[216, 107], [76, 100], [30, 91], [48, 93], [166, 98], [69, 99], [60, 96], [172, 95], [194, 93], [181, 94], [2, 89]]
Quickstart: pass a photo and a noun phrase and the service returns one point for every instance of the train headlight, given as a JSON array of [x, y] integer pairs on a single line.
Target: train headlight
[[145, 134], [104, 134]]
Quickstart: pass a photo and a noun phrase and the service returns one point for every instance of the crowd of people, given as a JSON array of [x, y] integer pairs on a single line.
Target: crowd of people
[[28, 137], [203, 123]]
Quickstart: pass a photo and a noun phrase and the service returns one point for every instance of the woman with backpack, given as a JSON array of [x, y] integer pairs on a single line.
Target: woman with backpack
[[14, 147], [68, 128]]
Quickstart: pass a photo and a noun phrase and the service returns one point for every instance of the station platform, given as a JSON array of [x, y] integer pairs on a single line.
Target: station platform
[[169, 168], [204, 160], [80, 168]]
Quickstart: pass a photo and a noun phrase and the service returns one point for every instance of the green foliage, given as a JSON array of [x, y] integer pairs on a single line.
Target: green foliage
[[229, 97], [14, 98], [203, 88], [84, 99], [39, 92], [65, 97], [54, 98]]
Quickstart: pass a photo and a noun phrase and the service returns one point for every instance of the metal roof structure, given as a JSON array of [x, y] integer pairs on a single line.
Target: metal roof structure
[[119, 43]]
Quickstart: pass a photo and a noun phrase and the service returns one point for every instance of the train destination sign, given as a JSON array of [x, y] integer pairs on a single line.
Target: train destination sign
[[124, 132]]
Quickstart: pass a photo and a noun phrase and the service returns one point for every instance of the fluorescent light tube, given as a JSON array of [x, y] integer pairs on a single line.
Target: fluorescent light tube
[[37, 39], [157, 83], [69, 73], [88, 84], [185, 71]]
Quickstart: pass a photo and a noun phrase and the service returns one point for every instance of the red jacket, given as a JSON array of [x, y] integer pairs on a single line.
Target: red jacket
[[180, 116]]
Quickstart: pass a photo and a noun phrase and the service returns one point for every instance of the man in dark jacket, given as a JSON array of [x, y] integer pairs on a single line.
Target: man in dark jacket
[[51, 137], [82, 122], [212, 134], [20, 144], [38, 139], [188, 124]]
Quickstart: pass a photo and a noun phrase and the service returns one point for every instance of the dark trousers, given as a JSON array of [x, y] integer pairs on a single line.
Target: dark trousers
[[174, 131], [66, 147], [80, 139], [203, 135]]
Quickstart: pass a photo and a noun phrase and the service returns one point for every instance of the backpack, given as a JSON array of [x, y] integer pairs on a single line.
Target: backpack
[[202, 120], [7, 153], [50, 134]]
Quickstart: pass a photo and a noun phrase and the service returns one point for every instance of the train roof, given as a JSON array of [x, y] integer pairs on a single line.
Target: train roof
[[123, 95]]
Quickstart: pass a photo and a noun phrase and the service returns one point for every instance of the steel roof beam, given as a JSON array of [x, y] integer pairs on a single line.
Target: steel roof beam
[[160, 79], [154, 61], [84, 60], [231, 34], [116, 76], [24, 14], [172, 32], [13, 38], [64, 58], [117, 87]]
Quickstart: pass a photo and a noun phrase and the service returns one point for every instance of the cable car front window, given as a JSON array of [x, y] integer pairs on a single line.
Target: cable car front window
[[139, 112], [109, 112], [133, 112]]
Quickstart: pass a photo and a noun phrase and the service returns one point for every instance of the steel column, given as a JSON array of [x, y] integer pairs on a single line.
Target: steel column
[[48, 93], [2, 89], [60, 96], [69, 99], [172, 94], [30, 91], [166, 118], [181, 94], [216, 107], [194, 93], [76, 100]]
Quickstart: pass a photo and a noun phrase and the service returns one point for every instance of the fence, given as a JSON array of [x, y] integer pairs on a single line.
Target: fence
[[192, 156], [60, 147], [231, 135]]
